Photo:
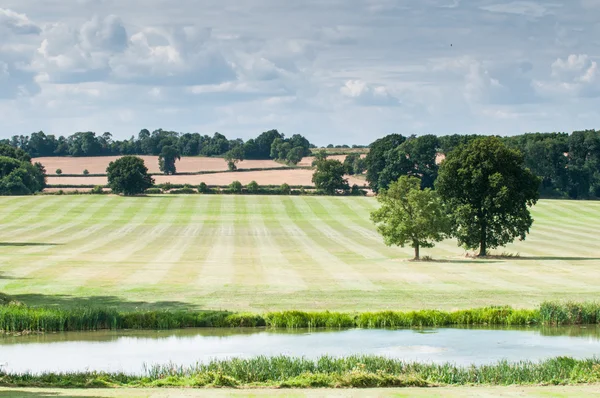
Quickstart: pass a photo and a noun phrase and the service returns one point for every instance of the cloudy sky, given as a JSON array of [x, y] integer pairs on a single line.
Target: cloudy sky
[[339, 71]]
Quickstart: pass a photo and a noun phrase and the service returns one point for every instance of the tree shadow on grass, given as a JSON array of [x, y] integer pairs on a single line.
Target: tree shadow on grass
[[551, 258], [16, 393], [26, 244], [66, 301]]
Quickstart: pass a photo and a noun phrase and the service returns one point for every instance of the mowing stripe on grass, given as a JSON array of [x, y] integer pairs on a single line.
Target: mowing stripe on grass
[[325, 251], [281, 275]]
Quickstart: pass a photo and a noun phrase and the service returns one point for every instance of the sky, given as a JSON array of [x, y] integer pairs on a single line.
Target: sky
[[336, 71]]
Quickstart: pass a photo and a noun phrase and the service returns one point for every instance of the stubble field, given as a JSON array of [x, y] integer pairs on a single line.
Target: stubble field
[[263, 253]]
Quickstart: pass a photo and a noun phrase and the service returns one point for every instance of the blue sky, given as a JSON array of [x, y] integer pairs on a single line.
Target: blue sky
[[339, 71]]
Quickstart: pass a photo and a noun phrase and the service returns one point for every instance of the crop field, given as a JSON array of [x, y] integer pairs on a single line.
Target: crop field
[[263, 177], [264, 253]]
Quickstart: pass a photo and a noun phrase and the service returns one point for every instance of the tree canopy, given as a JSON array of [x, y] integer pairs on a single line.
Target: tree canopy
[[167, 158], [329, 177], [410, 215], [17, 175], [233, 156], [128, 176], [490, 190]]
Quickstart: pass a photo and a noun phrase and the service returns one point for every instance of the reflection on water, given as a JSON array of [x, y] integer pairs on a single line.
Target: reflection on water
[[128, 351]]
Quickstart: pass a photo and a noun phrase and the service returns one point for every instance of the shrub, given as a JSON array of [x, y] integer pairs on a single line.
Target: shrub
[[167, 186], [186, 191], [356, 191], [203, 188], [86, 172], [58, 171], [97, 190], [235, 187], [253, 187], [285, 189], [153, 191]]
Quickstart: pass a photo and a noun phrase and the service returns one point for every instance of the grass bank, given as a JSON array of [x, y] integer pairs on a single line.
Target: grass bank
[[17, 319], [325, 372]]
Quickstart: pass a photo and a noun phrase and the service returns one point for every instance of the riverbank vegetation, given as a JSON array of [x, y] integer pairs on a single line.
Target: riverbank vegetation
[[324, 372], [20, 318]]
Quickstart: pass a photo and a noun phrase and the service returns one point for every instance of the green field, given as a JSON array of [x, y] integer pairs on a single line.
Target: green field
[[264, 253]]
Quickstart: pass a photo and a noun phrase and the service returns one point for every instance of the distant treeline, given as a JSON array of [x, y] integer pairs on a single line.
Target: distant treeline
[[569, 164], [151, 143]]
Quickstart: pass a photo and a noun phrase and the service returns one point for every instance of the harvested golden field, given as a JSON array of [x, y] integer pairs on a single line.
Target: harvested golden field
[[98, 165], [264, 177]]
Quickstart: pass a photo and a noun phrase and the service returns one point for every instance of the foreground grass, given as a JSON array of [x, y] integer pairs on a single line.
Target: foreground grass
[[451, 392], [325, 372], [259, 254], [17, 319]]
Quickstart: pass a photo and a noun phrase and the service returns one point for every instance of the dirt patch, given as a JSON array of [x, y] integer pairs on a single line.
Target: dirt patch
[[98, 165], [265, 177]]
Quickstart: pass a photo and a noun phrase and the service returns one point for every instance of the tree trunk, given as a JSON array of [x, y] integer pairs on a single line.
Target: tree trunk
[[483, 243], [417, 257]]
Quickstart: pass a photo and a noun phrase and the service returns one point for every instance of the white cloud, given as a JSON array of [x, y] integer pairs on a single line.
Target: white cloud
[[17, 23], [576, 75], [365, 94], [527, 8]]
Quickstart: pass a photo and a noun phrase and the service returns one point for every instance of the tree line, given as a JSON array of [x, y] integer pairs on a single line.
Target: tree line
[[568, 164], [153, 143]]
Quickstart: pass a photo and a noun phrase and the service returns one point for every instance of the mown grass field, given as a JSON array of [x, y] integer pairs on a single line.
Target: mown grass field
[[264, 253]]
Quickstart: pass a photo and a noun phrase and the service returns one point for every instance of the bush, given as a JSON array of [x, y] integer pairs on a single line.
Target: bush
[[285, 189], [186, 191], [153, 191], [356, 191], [203, 188], [167, 186], [58, 171], [253, 187], [235, 187], [86, 172], [97, 190]]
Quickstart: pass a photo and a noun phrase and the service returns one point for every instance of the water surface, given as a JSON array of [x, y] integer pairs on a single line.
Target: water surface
[[128, 351]]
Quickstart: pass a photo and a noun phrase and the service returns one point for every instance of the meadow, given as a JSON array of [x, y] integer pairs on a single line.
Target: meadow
[[269, 253]]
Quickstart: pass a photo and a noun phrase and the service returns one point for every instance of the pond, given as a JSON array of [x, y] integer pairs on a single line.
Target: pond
[[128, 351]]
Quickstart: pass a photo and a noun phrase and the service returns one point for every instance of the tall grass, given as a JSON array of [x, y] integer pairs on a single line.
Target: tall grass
[[19, 318], [353, 371]]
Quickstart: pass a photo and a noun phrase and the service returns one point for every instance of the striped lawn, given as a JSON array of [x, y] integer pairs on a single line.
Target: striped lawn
[[263, 253]]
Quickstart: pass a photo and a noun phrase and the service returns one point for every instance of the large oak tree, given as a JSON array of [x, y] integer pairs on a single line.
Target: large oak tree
[[489, 190]]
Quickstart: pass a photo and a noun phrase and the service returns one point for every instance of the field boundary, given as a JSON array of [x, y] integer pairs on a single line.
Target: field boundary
[[19, 319], [195, 173]]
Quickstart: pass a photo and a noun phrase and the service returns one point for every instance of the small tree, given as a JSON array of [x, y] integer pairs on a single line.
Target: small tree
[[203, 188], [489, 190], [329, 177], [128, 175], [86, 172], [167, 158], [58, 171], [252, 187], [235, 187], [295, 155], [285, 189], [410, 215], [319, 156], [233, 156]]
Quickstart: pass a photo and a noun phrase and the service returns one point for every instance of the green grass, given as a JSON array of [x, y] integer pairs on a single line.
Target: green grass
[[584, 390], [260, 254], [325, 372], [47, 319]]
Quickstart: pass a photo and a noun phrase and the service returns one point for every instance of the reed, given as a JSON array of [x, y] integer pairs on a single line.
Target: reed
[[20, 318], [348, 372]]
